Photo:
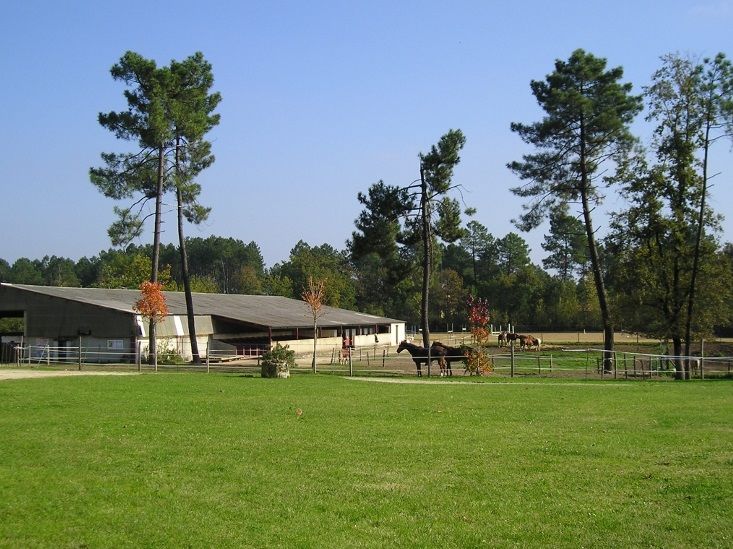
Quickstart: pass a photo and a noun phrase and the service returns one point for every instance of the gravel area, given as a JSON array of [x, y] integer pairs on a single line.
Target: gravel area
[[30, 374]]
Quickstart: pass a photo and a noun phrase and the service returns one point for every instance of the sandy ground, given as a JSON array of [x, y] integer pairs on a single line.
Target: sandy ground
[[473, 384], [30, 374]]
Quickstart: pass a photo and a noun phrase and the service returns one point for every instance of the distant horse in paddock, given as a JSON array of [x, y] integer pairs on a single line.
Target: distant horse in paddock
[[502, 339], [449, 354], [524, 341], [421, 355], [529, 342], [344, 355], [534, 343]]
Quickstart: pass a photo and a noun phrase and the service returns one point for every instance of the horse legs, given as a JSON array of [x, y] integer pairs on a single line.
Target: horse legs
[[419, 370]]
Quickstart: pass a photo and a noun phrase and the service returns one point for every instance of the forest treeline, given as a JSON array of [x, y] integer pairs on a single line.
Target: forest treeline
[[559, 295]]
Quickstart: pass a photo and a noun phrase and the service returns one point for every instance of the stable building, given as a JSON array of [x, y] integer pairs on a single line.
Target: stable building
[[103, 323]]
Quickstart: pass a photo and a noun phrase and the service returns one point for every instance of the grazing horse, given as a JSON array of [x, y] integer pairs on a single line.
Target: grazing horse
[[502, 339], [421, 355], [449, 354], [534, 342]]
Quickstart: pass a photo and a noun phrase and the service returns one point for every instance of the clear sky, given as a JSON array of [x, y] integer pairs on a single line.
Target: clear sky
[[320, 100]]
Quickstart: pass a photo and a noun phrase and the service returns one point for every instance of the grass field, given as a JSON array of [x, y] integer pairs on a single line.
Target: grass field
[[321, 461]]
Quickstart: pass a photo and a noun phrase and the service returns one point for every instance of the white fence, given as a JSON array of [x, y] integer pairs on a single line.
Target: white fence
[[383, 360]]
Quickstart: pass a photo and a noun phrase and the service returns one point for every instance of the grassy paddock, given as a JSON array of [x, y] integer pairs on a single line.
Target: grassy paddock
[[225, 460]]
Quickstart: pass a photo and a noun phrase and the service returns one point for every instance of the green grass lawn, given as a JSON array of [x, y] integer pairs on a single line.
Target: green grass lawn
[[224, 460]]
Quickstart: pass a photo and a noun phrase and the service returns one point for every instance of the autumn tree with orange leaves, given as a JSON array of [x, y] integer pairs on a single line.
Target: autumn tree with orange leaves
[[152, 307]]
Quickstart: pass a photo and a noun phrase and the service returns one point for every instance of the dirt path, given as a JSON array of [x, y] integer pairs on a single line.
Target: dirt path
[[493, 383], [31, 374]]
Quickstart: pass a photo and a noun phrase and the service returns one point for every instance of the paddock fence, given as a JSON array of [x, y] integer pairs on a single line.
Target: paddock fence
[[384, 361]]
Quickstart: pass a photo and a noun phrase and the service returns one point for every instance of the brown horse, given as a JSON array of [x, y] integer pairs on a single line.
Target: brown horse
[[502, 339], [450, 354], [421, 355], [344, 355], [533, 343]]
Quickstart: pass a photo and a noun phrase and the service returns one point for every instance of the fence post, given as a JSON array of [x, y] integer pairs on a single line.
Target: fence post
[[351, 364], [511, 355], [702, 358], [384, 356], [550, 363], [539, 366], [615, 365], [80, 353]]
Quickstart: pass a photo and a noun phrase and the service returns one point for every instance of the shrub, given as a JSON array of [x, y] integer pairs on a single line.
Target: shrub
[[277, 361]]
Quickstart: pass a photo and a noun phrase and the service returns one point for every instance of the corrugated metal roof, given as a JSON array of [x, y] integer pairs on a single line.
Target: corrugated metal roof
[[262, 310]]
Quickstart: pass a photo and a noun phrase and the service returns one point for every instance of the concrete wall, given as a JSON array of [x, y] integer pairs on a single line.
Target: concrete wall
[[181, 345], [305, 346]]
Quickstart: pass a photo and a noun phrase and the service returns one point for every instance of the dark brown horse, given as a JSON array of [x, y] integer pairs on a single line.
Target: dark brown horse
[[421, 355], [449, 354]]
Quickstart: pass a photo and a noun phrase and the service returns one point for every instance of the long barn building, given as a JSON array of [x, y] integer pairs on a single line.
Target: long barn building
[[103, 321]]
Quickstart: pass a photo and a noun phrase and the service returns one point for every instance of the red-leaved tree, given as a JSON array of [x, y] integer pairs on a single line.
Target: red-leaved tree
[[479, 361], [152, 307]]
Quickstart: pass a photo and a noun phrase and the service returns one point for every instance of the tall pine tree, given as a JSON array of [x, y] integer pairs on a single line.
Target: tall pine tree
[[586, 127]]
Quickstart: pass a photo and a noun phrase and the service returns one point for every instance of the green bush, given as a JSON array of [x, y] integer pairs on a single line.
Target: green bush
[[277, 361]]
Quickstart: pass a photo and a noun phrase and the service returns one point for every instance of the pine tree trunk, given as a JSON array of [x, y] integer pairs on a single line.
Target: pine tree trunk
[[184, 273], [608, 332], [425, 214], [187, 284], [152, 341]]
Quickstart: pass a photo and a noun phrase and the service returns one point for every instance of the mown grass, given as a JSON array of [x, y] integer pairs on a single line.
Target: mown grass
[[224, 460]]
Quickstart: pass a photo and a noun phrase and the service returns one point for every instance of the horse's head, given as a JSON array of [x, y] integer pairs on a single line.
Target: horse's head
[[402, 346]]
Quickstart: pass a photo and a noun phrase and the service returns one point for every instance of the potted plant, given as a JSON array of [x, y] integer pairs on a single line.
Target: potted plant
[[277, 361]]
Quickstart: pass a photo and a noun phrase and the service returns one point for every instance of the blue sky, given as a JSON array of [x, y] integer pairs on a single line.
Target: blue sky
[[320, 100]]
